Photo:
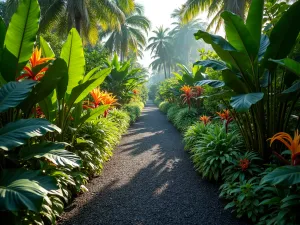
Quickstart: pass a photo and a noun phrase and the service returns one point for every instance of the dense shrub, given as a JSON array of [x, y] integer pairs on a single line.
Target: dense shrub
[[193, 134], [121, 118], [215, 150], [164, 106], [134, 110], [172, 112], [157, 101], [184, 118]]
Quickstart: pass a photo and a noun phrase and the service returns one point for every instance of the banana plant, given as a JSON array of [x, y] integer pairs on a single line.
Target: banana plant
[[186, 77], [123, 79], [250, 73]]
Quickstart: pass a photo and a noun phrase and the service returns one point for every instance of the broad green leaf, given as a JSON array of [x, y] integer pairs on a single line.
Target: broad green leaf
[[212, 83], [230, 55], [24, 189], [13, 93], [234, 82], [283, 35], [285, 175], [239, 36], [54, 152], [264, 43], [55, 73], [90, 74], [289, 64], [72, 53], [93, 114], [254, 20], [20, 38], [17, 133], [49, 106], [214, 64], [46, 48], [295, 87], [242, 103], [98, 78]]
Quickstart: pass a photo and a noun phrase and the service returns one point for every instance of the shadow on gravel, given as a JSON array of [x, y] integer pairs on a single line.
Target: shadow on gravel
[[164, 189]]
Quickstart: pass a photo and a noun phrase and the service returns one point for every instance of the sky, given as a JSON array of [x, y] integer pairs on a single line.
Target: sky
[[159, 13]]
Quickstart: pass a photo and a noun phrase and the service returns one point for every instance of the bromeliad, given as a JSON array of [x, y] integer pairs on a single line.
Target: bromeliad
[[205, 119], [100, 98], [188, 95], [225, 116], [35, 60], [293, 144], [198, 91]]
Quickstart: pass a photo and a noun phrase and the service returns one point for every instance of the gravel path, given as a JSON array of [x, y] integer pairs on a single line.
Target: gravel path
[[150, 180]]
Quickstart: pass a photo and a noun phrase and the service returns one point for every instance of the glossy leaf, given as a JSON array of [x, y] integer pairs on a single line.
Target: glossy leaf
[[24, 189], [264, 43], [17, 133], [286, 175], [13, 93], [289, 64], [242, 103], [72, 53], [54, 152], [93, 114], [2, 35], [212, 83], [234, 82], [295, 87], [47, 51], [214, 64], [20, 38], [254, 21], [283, 35]]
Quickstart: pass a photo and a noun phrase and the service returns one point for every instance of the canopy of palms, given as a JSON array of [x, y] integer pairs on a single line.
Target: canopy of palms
[[130, 36], [192, 8], [86, 15], [161, 49]]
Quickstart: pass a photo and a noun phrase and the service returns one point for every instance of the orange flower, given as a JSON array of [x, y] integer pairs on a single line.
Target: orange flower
[[205, 119], [244, 164], [188, 94], [135, 92], [34, 61], [225, 115], [199, 90], [293, 144]]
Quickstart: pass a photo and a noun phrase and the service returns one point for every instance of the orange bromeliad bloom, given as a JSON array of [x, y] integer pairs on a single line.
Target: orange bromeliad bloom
[[135, 92], [205, 119], [100, 98], [34, 61], [244, 164], [293, 144], [225, 115], [188, 94]]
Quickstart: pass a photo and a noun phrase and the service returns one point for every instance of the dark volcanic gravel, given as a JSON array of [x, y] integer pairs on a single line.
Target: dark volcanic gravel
[[149, 180]]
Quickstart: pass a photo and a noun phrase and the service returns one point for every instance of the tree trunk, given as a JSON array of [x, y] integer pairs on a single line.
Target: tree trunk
[[165, 71], [77, 23]]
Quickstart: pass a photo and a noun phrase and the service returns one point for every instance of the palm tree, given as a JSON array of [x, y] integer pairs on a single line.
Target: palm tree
[[131, 36], [161, 47], [192, 8], [185, 45], [85, 15]]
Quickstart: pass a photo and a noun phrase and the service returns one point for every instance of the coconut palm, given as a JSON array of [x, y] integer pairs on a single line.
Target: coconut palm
[[131, 36], [161, 48], [192, 8], [85, 15]]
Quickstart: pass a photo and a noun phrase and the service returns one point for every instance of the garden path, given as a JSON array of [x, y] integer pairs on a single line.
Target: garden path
[[149, 180]]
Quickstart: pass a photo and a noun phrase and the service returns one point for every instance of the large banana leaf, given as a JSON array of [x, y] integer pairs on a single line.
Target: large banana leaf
[[242, 103], [285, 175], [214, 64], [54, 152], [289, 64], [20, 38], [49, 106], [283, 36], [24, 189], [2, 34], [46, 48], [17, 133], [93, 114], [211, 83], [13, 93], [72, 53]]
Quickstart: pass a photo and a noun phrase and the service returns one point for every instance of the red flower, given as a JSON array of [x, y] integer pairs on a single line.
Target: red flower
[[225, 115], [244, 164], [199, 91], [188, 94], [135, 92], [205, 119], [34, 61]]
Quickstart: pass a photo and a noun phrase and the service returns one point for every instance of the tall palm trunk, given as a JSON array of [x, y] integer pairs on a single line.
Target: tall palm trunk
[[78, 23], [165, 71]]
